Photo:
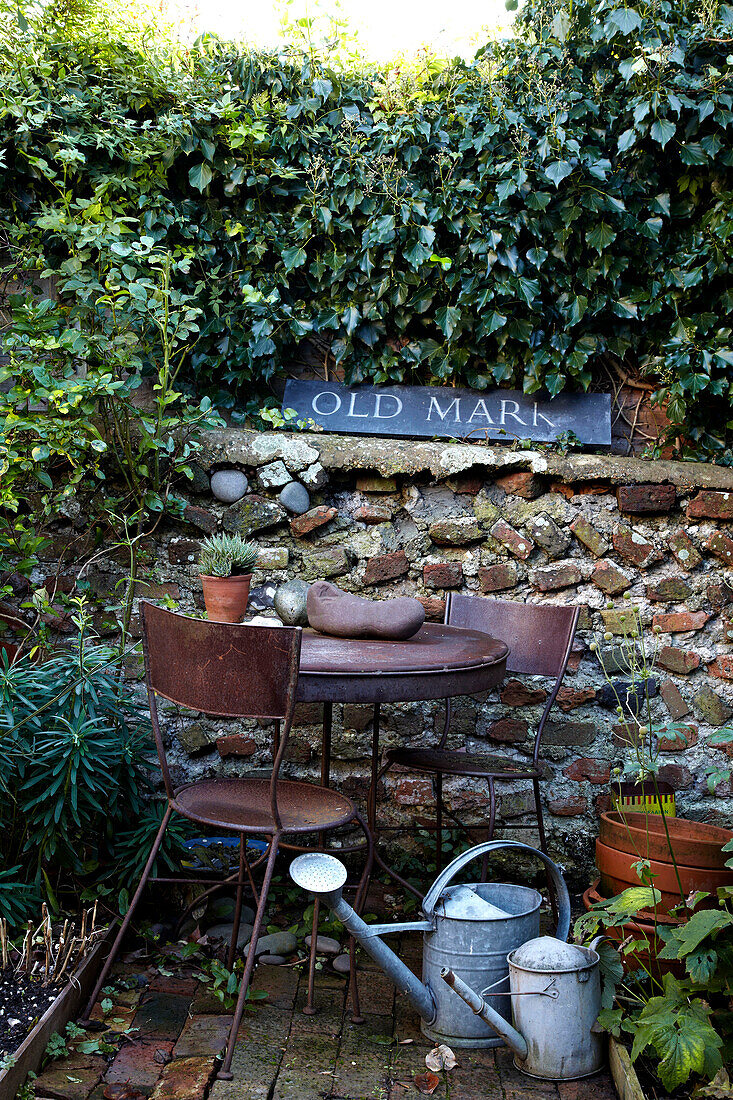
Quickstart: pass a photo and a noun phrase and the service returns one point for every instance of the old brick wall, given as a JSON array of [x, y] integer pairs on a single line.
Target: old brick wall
[[392, 517]]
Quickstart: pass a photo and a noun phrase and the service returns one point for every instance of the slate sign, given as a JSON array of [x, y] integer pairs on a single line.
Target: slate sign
[[442, 411]]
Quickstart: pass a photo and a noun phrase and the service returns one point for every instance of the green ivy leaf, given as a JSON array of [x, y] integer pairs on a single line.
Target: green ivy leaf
[[558, 171], [663, 131], [200, 176]]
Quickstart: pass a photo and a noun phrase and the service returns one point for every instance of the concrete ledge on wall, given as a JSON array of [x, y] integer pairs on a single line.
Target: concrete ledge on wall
[[442, 460]]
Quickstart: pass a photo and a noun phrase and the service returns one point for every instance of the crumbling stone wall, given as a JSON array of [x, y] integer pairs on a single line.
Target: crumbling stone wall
[[391, 517]]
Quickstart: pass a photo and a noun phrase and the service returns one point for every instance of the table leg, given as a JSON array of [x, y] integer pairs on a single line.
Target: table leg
[[372, 803], [326, 744]]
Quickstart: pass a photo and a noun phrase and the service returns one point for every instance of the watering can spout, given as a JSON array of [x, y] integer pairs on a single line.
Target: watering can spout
[[477, 1004], [324, 877]]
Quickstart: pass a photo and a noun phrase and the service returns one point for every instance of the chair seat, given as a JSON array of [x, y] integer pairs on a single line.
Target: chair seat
[[243, 805], [460, 763]]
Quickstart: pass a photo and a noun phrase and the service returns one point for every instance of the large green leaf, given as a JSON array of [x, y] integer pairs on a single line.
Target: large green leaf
[[200, 176]]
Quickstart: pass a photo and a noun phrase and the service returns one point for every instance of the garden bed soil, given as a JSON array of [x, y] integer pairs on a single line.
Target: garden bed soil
[[22, 1002], [47, 1009]]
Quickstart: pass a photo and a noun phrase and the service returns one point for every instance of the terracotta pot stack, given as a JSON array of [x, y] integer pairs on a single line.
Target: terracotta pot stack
[[626, 838]]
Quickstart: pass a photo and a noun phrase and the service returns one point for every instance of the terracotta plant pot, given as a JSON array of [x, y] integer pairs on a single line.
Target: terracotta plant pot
[[618, 874], [694, 844], [226, 598]]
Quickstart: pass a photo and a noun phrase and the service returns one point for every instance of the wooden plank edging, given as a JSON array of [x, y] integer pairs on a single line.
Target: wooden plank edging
[[623, 1072]]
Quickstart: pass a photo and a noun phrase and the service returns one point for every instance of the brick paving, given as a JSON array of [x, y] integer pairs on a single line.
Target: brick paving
[[282, 1054]]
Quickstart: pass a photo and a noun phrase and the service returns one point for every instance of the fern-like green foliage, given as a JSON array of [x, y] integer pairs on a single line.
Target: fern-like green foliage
[[227, 556]]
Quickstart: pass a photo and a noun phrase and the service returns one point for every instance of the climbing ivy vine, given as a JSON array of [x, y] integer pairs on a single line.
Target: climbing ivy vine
[[559, 208]]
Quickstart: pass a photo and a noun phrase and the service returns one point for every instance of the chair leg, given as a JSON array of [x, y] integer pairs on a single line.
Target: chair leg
[[238, 903], [492, 825], [310, 1008], [359, 902], [129, 914], [225, 1073], [438, 822], [543, 843], [540, 819]]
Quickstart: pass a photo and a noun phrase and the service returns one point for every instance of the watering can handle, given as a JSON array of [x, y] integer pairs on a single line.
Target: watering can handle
[[448, 874]]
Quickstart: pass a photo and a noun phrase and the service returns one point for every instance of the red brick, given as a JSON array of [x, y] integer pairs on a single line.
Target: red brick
[[521, 485], [719, 595], [519, 545], [445, 574], [603, 804], [413, 792], [386, 567], [199, 517], [720, 545], [517, 694], [678, 775], [586, 767], [508, 730], [140, 1062], [673, 700], [373, 513], [672, 589], [552, 577], [684, 550], [677, 622], [722, 667], [586, 533], [468, 485], [645, 499], [711, 504], [236, 744], [309, 521], [634, 548], [568, 807], [185, 1079], [670, 744], [680, 661], [434, 608], [494, 578], [610, 579], [183, 551], [569, 698]]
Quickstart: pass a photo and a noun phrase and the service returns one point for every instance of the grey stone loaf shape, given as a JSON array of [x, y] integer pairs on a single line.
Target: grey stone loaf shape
[[290, 603], [229, 486], [295, 498], [345, 615]]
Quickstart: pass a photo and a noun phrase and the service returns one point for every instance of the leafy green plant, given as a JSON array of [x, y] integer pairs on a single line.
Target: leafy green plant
[[74, 748], [554, 214], [227, 556], [680, 1024]]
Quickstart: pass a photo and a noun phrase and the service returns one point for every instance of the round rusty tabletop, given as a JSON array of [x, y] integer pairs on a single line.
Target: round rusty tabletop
[[438, 662]]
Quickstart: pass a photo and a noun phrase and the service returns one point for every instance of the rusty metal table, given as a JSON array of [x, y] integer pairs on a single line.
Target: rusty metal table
[[439, 662]]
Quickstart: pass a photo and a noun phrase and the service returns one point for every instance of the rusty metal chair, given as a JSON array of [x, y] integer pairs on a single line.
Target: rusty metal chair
[[539, 637], [235, 671]]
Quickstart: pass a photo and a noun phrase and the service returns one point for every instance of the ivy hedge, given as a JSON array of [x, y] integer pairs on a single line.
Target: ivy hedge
[[557, 209]]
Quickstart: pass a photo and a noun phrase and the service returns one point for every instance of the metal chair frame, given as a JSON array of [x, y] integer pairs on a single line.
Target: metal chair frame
[[236, 671], [547, 657]]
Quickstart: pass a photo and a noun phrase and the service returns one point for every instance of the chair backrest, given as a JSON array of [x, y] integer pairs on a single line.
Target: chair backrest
[[222, 669], [539, 636]]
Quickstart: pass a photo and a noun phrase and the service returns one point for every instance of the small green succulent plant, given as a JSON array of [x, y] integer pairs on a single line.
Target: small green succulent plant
[[227, 556]]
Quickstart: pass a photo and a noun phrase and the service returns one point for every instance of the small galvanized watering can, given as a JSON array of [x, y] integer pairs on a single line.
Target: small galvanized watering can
[[469, 931], [556, 997]]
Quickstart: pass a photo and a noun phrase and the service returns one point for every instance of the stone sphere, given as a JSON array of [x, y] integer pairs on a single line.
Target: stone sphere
[[295, 498], [229, 486], [290, 603]]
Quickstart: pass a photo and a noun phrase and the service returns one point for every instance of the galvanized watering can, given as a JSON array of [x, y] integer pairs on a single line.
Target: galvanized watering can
[[556, 997], [469, 930]]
